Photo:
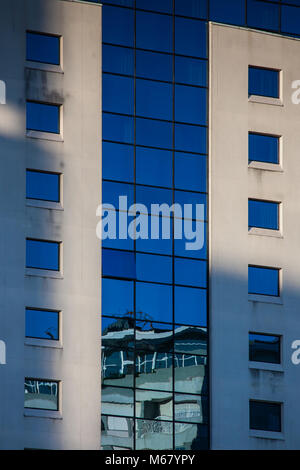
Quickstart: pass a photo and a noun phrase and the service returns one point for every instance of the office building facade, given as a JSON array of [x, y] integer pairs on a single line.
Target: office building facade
[[199, 106]]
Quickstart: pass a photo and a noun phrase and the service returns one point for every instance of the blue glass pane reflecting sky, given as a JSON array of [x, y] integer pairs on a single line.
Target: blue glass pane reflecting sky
[[117, 297], [263, 281], [263, 148], [165, 6], [154, 31], [118, 26], [154, 99], [190, 104], [190, 172], [43, 186], [190, 37], [290, 19], [117, 162], [118, 264], [42, 48], [190, 71], [190, 272], [154, 65], [190, 306], [190, 138], [154, 300], [229, 11], [117, 59], [111, 192], [42, 117], [193, 8], [117, 128], [154, 133], [154, 268], [42, 324], [153, 167], [42, 254], [263, 82], [263, 214], [117, 96], [262, 15]]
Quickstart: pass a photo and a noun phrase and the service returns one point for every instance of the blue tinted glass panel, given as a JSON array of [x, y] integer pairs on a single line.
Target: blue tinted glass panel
[[263, 148], [231, 11], [118, 264], [190, 272], [117, 60], [199, 442], [117, 297], [264, 348], [262, 15], [117, 96], [291, 2], [265, 416], [118, 26], [159, 245], [112, 191], [148, 196], [153, 167], [190, 306], [198, 248], [115, 227], [125, 3], [117, 162], [117, 128], [154, 268], [165, 6], [263, 82], [41, 394], [42, 254], [154, 31], [193, 8], [190, 138], [190, 104], [43, 324], [190, 172], [42, 117], [264, 281], [154, 99], [290, 19], [43, 186], [154, 300], [190, 37], [190, 71], [154, 65], [187, 197], [153, 133], [42, 48], [263, 214]]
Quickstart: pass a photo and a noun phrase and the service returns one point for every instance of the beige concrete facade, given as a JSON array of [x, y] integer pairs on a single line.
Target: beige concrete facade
[[233, 313], [75, 290]]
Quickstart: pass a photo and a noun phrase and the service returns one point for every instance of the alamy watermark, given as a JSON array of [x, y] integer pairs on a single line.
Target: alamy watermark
[[135, 222], [2, 352], [2, 92]]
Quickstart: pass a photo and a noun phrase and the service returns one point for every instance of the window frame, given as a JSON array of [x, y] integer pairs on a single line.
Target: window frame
[[59, 326], [279, 87], [279, 216], [279, 353], [39, 62], [40, 133], [279, 150], [279, 281], [59, 201], [59, 384], [59, 243], [253, 400]]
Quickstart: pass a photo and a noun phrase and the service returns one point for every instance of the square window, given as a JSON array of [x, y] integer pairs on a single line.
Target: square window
[[154, 31], [155, 65], [118, 263], [117, 297], [265, 416], [43, 117], [263, 148], [263, 280], [41, 394], [263, 82], [42, 185], [196, 313], [154, 99], [42, 254], [42, 324], [263, 214], [42, 48], [264, 348]]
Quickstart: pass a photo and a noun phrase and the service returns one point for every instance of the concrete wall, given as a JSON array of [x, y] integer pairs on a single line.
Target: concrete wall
[[75, 361], [234, 380]]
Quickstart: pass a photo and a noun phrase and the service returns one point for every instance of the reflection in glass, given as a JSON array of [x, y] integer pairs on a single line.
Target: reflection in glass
[[190, 272], [154, 370], [190, 374], [190, 340], [191, 436], [41, 254], [154, 133], [116, 433], [263, 82], [118, 263], [153, 405], [156, 5], [154, 31], [190, 306], [154, 300], [263, 148], [154, 268], [191, 408], [43, 324], [263, 281], [265, 416], [262, 15], [231, 11], [190, 172], [41, 394], [193, 8], [156, 435], [42, 117], [111, 192], [263, 214], [290, 19], [42, 185], [117, 297], [42, 48], [180, 245], [157, 245], [264, 348], [153, 167], [117, 401]]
